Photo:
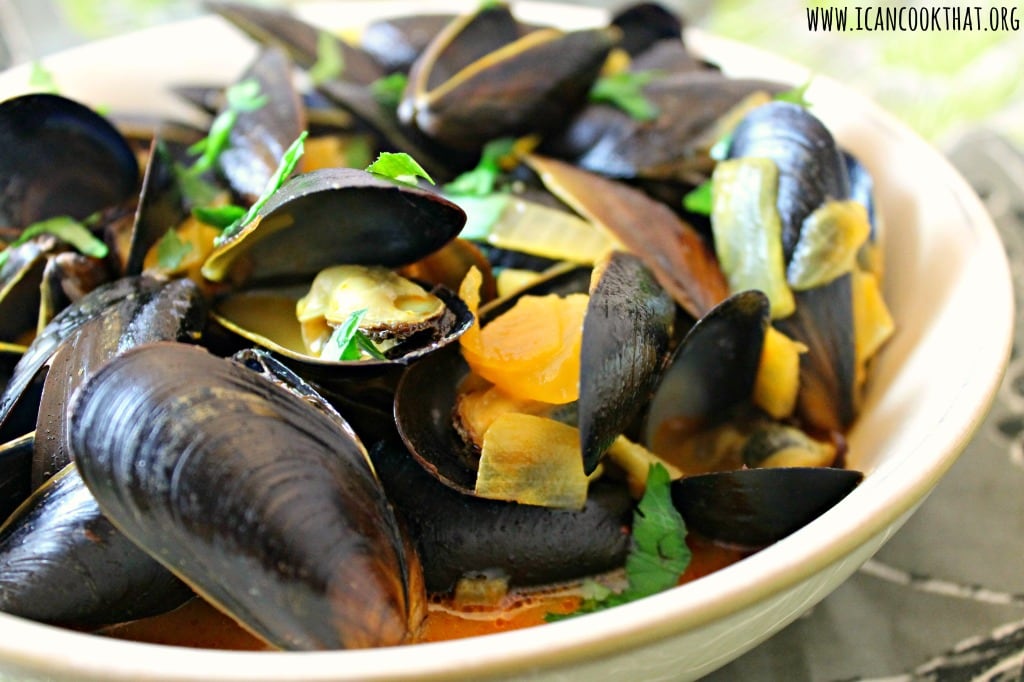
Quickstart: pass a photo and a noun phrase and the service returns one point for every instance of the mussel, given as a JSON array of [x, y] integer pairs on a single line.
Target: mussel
[[261, 503]]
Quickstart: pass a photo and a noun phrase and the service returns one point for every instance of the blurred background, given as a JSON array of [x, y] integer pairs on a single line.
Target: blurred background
[[941, 83]]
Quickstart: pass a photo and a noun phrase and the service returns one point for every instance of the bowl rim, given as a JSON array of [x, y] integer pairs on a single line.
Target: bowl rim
[[724, 592]]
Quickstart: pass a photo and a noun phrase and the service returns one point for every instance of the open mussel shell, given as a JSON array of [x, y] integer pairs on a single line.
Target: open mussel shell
[[757, 507], [712, 370], [425, 397], [336, 216], [62, 562], [824, 322], [160, 206], [20, 278], [626, 333], [255, 498], [680, 258], [811, 166], [478, 81], [60, 158], [396, 42]]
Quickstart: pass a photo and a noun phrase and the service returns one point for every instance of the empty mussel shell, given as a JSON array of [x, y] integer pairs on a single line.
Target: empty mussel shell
[[60, 158], [756, 507]]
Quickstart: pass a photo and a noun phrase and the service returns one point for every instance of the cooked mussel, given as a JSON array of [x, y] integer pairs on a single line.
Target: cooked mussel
[[258, 501], [62, 562], [478, 80], [321, 250], [757, 507]]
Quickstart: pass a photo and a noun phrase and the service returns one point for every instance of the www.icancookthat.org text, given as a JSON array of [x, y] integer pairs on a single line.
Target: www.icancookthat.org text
[[917, 18]]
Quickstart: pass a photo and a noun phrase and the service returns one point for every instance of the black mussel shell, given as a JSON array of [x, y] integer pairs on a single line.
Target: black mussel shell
[[757, 507], [714, 367], [62, 562], [397, 42], [258, 500], [60, 158], [460, 535], [811, 167], [336, 216], [626, 333]]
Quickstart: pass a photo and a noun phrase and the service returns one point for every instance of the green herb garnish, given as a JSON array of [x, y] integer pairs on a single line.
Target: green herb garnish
[[659, 554], [171, 250], [348, 343], [400, 167], [242, 96], [41, 79], [626, 91], [330, 62], [795, 95], [218, 216], [388, 90], [284, 169], [481, 180], [698, 200], [64, 228]]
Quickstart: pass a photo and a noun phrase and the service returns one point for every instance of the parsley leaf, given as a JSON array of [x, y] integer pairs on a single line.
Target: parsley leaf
[[795, 95], [41, 79], [171, 250], [659, 554], [400, 167], [64, 228], [218, 216], [481, 180], [242, 96], [388, 90], [330, 62], [625, 90], [348, 343], [698, 200], [288, 162]]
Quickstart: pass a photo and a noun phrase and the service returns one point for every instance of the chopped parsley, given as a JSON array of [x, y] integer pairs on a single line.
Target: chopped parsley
[[241, 97], [347, 342], [171, 251], [698, 200], [797, 95], [659, 554], [400, 167], [284, 169], [42, 80], [66, 229], [218, 216], [330, 62], [481, 180], [625, 90], [388, 90]]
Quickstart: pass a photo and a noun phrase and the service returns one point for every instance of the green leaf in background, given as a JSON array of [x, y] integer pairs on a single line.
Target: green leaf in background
[[388, 90], [795, 95], [400, 167], [40, 79], [66, 229], [171, 250], [480, 180], [330, 62], [625, 90], [246, 96], [698, 200]]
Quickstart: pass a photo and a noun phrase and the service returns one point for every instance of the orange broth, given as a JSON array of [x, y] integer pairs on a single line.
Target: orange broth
[[200, 625]]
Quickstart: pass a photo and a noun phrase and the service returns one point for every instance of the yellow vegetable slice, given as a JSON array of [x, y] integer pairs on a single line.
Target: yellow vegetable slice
[[778, 376], [532, 460], [872, 322], [830, 239]]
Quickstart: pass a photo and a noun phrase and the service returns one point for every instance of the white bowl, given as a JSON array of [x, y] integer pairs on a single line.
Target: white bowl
[[949, 289]]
